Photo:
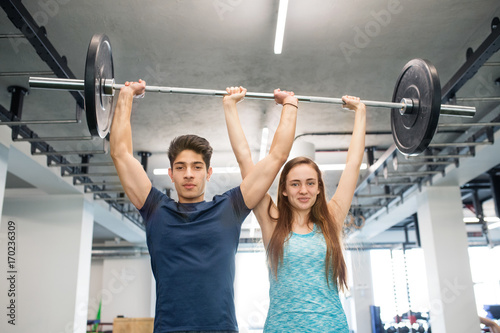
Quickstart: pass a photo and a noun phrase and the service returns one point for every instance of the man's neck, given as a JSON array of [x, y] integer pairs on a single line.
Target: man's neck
[[192, 200]]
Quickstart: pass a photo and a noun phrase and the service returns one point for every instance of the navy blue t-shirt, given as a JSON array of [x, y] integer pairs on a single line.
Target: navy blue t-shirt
[[192, 248]]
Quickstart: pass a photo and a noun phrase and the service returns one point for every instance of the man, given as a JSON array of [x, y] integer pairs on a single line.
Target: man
[[192, 242]]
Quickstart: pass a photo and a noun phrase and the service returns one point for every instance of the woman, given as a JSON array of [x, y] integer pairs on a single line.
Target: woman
[[303, 232]]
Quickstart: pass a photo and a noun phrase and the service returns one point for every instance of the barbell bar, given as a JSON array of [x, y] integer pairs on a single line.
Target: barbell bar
[[109, 87], [416, 103]]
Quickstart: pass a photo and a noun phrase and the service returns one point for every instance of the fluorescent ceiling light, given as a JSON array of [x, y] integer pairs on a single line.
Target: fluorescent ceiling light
[[225, 169], [494, 225], [160, 172], [322, 167], [337, 167], [263, 150], [280, 26], [490, 219], [164, 172]]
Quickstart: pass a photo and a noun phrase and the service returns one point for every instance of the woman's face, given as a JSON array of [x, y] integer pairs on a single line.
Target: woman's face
[[301, 187]]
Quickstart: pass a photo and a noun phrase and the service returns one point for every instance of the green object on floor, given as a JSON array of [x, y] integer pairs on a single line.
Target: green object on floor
[[98, 318]]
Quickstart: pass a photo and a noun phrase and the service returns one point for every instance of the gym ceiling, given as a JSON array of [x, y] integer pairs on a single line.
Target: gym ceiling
[[330, 48]]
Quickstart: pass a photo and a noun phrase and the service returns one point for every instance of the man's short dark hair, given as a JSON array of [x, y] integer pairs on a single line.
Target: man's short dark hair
[[190, 142]]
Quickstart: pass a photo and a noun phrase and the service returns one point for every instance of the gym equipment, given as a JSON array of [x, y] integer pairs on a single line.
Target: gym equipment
[[415, 104]]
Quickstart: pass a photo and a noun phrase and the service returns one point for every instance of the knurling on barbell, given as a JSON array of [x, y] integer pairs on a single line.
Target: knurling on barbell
[[416, 101]]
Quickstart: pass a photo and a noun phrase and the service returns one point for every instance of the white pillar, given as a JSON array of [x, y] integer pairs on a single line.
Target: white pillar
[[126, 288], [95, 287], [444, 242], [361, 291], [47, 289]]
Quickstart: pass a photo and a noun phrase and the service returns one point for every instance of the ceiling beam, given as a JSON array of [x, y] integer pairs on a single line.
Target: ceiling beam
[[37, 37]]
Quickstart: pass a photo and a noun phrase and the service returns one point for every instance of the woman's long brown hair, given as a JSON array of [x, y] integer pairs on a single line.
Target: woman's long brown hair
[[335, 267]]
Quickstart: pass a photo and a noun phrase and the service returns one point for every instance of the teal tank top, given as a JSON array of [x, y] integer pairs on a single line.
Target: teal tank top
[[300, 299]]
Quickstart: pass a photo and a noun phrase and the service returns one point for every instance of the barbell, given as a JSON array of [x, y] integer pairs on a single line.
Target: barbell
[[416, 101]]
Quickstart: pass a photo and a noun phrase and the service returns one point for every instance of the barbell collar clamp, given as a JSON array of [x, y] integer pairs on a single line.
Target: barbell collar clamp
[[408, 106], [108, 86]]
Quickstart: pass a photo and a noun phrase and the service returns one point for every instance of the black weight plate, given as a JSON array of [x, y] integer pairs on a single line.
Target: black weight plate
[[414, 130], [98, 67]]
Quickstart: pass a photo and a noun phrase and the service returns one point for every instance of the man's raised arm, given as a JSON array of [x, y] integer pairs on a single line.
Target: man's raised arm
[[237, 137], [133, 178]]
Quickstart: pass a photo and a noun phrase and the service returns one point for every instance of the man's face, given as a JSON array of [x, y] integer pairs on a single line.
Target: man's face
[[189, 175]]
